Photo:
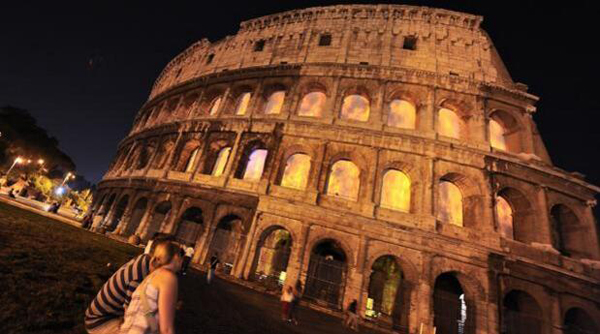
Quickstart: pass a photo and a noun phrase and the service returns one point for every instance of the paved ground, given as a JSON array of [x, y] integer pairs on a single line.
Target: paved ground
[[225, 307]]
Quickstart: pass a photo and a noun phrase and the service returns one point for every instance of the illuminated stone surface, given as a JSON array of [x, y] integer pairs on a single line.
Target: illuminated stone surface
[[309, 157]]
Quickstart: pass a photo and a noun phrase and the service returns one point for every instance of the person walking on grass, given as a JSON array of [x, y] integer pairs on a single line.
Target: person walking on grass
[[287, 296], [153, 304], [105, 312], [214, 262], [189, 253]]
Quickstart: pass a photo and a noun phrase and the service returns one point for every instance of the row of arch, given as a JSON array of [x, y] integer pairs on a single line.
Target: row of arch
[[514, 213], [505, 131], [388, 290]]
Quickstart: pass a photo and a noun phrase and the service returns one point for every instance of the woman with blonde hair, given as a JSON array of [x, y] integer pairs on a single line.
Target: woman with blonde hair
[[152, 306]]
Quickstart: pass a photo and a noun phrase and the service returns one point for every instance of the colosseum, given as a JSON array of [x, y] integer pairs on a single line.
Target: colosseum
[[378, 153]]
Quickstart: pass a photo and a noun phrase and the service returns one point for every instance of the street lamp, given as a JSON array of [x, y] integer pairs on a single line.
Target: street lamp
[[18, 160], [41, 161], [67, 177]]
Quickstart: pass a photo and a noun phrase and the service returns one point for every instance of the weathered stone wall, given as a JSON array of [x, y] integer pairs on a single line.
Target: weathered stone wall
[[153, 163]]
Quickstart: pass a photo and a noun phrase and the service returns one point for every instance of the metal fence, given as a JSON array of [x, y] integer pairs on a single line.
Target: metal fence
[[325, 281]]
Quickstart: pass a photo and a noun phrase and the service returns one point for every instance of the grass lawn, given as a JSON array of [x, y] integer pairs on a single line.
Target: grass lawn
[[50, 271]]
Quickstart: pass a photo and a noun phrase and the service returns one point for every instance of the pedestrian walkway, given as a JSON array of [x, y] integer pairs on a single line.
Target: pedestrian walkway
[[226, 307]]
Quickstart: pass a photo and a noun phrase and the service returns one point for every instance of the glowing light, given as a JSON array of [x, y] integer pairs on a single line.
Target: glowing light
[[344, 180], [275, 103], [221, 162], [450, 206], [296, 172], [243, 104], [192, 161], [40, 161], [356, 108], [504, 217], [449, 123], [312, 104], [59, 191], [497, 139], [256, 164], [395, 192], [214, 106], [403, 114]]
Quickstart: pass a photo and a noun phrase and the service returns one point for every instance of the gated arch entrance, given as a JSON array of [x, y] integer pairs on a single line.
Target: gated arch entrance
[[190, 226], [451, 311], [521, 314], [227, 241], [161, 211], [388, 295], [326, 275], [272, 256]]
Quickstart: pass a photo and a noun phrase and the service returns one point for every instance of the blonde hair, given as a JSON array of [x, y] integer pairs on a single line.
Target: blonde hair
[[164, 252]]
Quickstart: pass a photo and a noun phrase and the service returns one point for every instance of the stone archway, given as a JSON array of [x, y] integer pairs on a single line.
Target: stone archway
[[326, 275], [577, 321], [136, 216], [161, 211], [190, 226], [118, 213], [452, 313], [227, 241], [388, 294], [521, 314], [272, 257]]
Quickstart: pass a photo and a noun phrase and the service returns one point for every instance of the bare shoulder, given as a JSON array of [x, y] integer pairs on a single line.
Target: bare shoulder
[[165, 277]]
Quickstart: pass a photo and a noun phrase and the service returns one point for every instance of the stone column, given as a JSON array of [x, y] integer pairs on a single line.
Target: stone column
[[425, 296], [554, 323], [244, 265], [295, 268], [545, 232], [528, 145], [168, 226], [146, 218], [169, 163]]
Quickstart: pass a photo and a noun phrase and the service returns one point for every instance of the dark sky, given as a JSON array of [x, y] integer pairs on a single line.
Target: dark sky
[[84, 69]]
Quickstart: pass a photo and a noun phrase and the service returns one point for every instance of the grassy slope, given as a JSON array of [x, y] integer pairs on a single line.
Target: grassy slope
[[50, 271]]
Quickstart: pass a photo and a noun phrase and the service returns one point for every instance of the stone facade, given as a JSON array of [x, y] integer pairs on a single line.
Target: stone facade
[[543, 277]]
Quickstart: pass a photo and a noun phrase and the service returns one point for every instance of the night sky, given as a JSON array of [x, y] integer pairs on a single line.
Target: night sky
[[83, 70]]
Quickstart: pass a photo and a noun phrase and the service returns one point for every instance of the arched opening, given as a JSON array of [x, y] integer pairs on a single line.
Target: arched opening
[[158, 217], [497, 139], [254, 165], [504, 217], [221, 162], [395, 191], [275, 103], [312, 104], [227, 240], [505, 132], [569, 235], [326, 275], [136, 216], [190, 226], [449, 124], [99, 203], [107, 205], [577, 321], [451, 313], [187, 158], [163, 154], [118, 213], [344, 180], [295, 174], [521, 314], [145, 156], [515, 217], [214, 105], [272, 256], [356, 108], [242, 103], [403, 114], [387, 295], [450, 203], [191, 162]]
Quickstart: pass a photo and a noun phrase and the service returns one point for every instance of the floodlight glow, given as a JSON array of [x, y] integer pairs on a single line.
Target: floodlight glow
[[60, 190]]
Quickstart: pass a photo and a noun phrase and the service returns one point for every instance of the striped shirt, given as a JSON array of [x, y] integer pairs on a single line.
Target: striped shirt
[[115, 295]]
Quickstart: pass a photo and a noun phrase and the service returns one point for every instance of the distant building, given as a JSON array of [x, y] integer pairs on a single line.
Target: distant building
[[376, 152]]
